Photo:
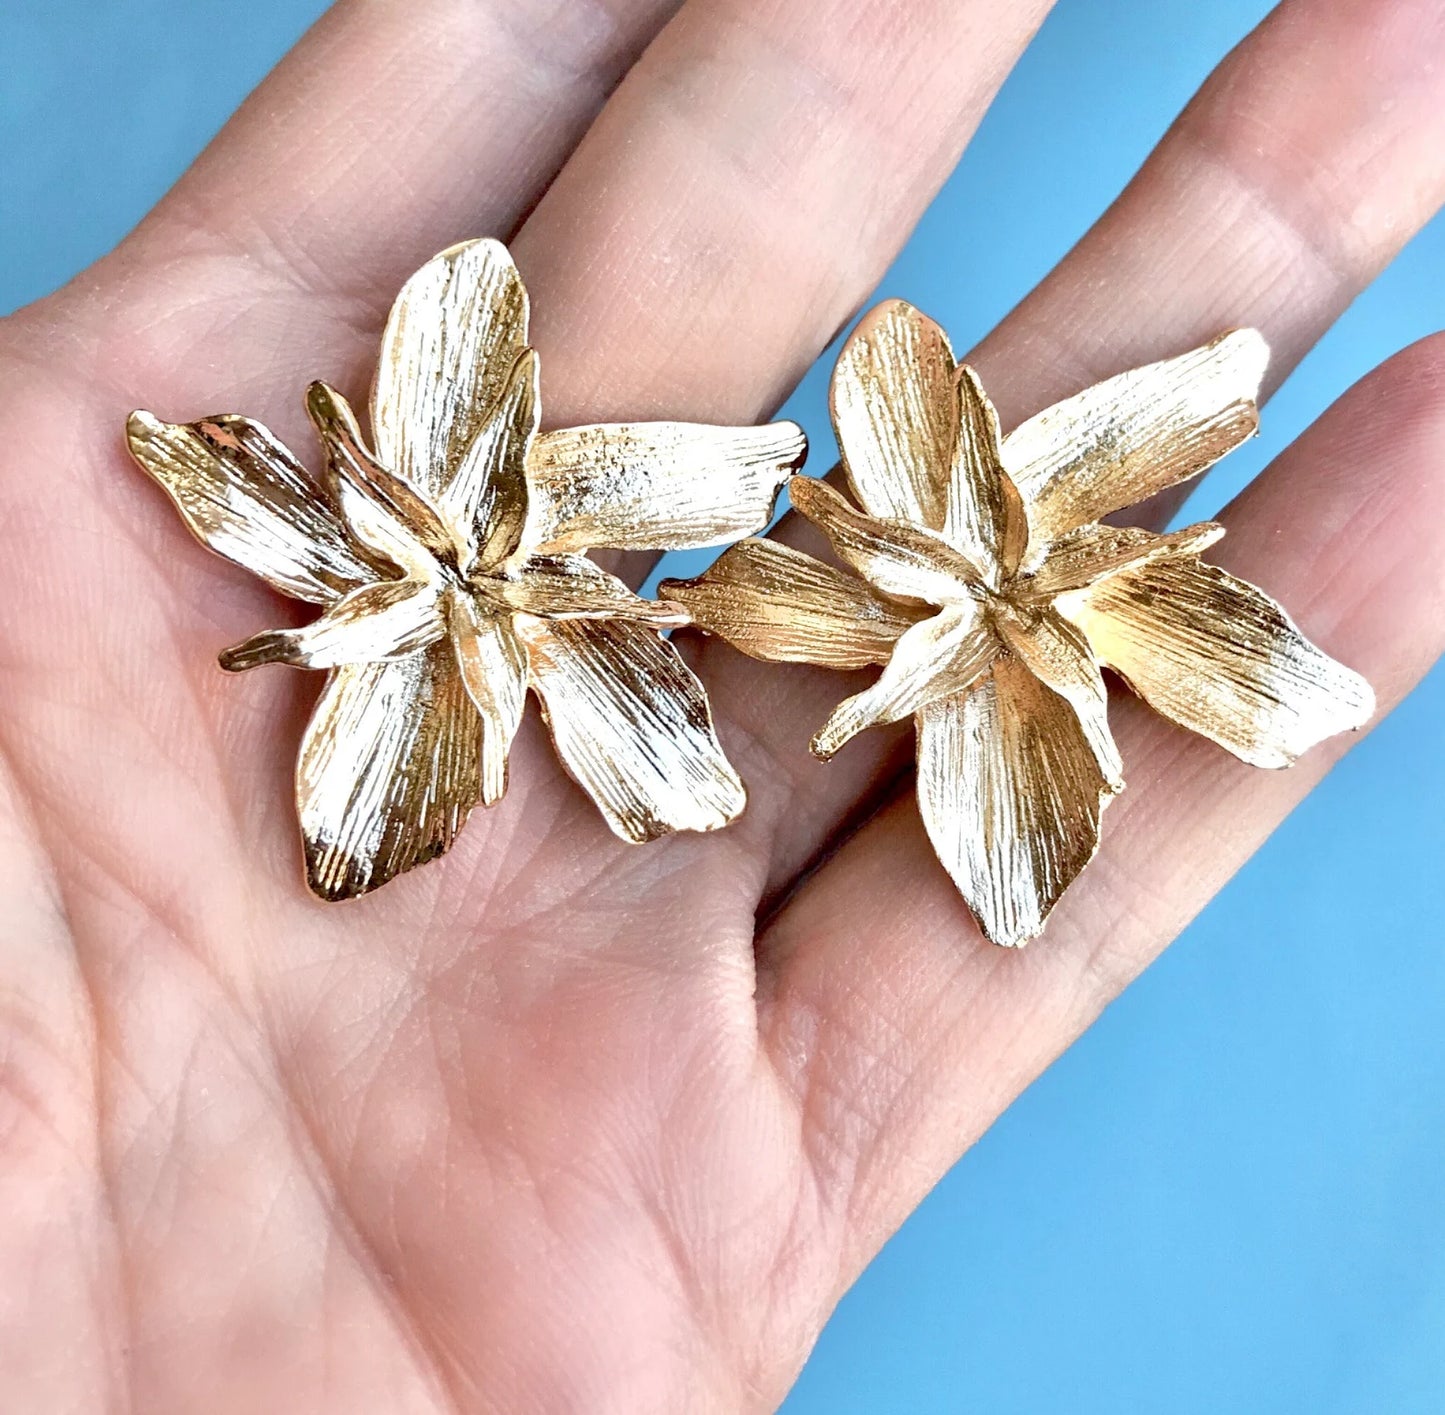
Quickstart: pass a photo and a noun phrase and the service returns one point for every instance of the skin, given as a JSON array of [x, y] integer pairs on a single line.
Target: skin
[[554, 1124]]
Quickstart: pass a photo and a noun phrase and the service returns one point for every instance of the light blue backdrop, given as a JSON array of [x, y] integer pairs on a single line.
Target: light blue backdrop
[[1228, 1197]]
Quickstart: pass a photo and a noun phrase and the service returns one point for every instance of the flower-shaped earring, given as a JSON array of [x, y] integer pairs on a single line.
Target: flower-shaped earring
[[450, 560], [988, 585]]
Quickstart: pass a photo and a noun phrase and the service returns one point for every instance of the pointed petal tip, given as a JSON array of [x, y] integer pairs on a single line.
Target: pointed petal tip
[[494, 248], [1366, 705], [1013, 942], [639, 830], [1201, 536], [336, 880], [140, 422], [1357, 707], [321, 400], [269, 646], [1251, 349], [822, 746], [894, 307], [796, 440], [332, 890], [809, 495]]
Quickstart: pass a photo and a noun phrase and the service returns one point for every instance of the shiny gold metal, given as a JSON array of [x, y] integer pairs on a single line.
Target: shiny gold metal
[[449, 558], [981, 576]]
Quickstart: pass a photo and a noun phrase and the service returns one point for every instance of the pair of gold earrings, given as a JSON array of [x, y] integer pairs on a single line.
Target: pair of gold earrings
[[450, 557]]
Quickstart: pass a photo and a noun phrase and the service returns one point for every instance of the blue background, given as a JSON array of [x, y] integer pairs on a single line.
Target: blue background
[[1228, 1197]]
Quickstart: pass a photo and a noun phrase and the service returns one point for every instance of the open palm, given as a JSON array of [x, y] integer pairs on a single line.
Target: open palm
[[556, 1123]]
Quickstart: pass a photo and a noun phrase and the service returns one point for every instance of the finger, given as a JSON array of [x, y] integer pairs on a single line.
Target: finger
[[390, 131], [907, 1033], [1299, 170], [745, 187]]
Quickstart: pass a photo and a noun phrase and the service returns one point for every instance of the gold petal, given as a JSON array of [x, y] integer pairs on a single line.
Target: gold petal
[[572, 587], [387, 514], [1011, 796], [493, 666], [899, 559], [632, 726], [389, 619], [1058, 655], [656, 486], [246, 497], [1126, 439], [1091, 553], [895, 411], [1218, 656], [388, 770], [940, 657], [775, 603], [486, 503], [985, 514], [456, 331]]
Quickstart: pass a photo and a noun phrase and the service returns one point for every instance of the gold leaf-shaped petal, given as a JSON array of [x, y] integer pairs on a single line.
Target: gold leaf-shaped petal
[[388, 619], [388, 770], [493, 666], [632, 725], [572, 587], [984, 516], [656, 486], [775, 603], [1220, 657], [1011, 796], [486, 502], [385, 513], [455, 333], [1058, 655], [937, 658], [1134, 435], [897, 558], [246, 497], [1092, 553], [895, 410]]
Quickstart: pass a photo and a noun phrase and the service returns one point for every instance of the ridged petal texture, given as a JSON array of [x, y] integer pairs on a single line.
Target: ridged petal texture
[[1011, 795], [977, 570], [449, 558], [632, 725]]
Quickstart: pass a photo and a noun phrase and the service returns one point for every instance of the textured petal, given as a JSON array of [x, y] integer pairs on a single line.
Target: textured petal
[[1058, 655], [899, 559], [389, 619], [1219, 657], [493, 666], [657, 486], [246, 497], [776, 603], [940, 657], [385, 513], [632, 726], [387, 772], [456, 331], [895, 409], [486, 503], [572, 587], [1132, 436], [1091, 553], [984, 516], [1011, 795]]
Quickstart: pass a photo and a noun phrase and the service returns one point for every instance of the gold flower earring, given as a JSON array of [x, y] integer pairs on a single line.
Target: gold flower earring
[[450, 560], [987, 584]]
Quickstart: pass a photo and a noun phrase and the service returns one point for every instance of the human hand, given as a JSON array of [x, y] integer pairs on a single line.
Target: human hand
[[518, 1133]]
